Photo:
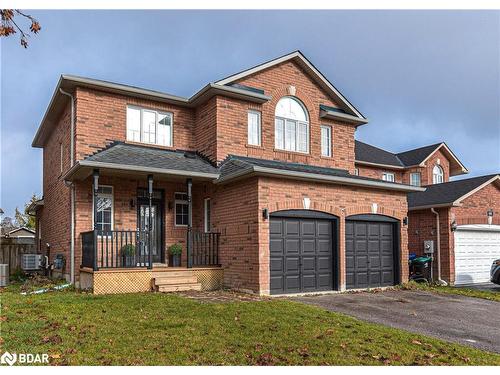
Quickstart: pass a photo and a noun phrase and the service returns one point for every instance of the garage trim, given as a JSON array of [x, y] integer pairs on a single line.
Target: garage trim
[[312, 214], [396, 236]]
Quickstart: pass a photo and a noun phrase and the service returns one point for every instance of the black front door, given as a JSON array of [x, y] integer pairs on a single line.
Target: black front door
[[156, 228]]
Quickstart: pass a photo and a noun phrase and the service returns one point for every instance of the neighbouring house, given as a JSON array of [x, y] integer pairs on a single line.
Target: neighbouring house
[[21, 232], [254, 176], [461, 217]]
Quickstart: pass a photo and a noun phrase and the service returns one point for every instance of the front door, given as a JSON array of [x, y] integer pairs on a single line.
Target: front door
[[156, 230]]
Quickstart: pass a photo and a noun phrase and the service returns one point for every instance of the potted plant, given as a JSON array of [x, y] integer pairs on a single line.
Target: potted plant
[[128, 255], [175, 251]]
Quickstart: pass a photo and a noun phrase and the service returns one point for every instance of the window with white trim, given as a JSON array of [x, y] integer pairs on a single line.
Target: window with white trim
[[254, 128], [326, 140], [415, 179], [291, 126], [181, 209], [208, 213], [437, 175], [388, 176], [105, 210], [148, 126]]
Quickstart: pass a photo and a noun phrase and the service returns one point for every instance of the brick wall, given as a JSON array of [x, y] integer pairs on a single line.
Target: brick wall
[[101, 119], [275, 81], [429, 165], [376, 172], [342, 201], [473, 208], [55, 216]]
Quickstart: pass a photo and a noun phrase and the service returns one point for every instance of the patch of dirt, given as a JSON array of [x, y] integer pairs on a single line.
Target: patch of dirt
[[35, 282], [221, 296]]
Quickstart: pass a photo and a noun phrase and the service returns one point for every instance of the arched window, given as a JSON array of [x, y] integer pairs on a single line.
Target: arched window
[[437, 175], [291, 125]]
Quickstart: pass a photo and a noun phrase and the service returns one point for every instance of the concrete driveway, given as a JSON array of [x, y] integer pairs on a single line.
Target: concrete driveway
[[465, 320]]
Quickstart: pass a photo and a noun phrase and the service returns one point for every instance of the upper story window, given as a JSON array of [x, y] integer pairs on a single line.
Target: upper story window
[[326, 140], [148, 126], [291, 129], [437, 175], [388, 176], [415, 179], [254, 128]]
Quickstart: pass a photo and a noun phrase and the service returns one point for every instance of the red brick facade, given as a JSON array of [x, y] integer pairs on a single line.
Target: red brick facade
[[215, 129]]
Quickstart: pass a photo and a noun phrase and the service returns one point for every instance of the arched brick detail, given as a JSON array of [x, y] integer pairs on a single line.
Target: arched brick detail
[[298, 204], [367, 209], [282, 91]]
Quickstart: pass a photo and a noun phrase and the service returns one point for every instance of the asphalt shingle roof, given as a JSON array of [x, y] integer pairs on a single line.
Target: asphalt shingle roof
[[149, 157], [372, 154], [447, 192], [416, 156]]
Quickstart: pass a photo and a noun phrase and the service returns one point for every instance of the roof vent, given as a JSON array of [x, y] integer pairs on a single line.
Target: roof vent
[[189, 155]]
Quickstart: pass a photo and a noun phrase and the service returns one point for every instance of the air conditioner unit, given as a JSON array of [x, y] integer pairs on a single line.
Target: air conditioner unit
[[31, 262]]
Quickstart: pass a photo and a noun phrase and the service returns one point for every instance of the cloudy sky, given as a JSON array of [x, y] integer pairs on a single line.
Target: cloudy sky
[[420, 76]]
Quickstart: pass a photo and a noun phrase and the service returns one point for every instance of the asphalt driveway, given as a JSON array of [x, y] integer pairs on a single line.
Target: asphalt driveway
[[465, 320]]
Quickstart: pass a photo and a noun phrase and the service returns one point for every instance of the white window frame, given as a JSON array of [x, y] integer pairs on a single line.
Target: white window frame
[[259, 128], [329, 140], [112, 196], [385, 177], [180, 201], [437, 176], [412, 174], [141, 128], [207, 211], [287, 146]]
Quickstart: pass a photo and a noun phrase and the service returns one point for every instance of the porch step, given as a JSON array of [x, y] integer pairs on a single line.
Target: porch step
[[169, 280], [166, 273], [179, 287]]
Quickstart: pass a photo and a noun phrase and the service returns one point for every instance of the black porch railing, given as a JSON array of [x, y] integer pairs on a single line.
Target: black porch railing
[[129, 249], [115, 249], [204, 248]]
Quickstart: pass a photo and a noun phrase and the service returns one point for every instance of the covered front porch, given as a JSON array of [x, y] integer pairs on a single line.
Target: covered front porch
[[137, 222]]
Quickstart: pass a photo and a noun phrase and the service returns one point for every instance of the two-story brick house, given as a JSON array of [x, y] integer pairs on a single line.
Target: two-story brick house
[[461, 217], [254, 176]]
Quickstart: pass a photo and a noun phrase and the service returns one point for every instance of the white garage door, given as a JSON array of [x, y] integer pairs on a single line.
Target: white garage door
[[476, 247]]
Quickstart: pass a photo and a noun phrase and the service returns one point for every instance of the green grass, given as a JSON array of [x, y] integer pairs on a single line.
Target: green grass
[[485, 294], [161, 329]]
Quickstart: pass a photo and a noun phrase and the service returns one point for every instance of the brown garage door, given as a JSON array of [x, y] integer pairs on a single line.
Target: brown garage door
[[370, 254], [301, 255]]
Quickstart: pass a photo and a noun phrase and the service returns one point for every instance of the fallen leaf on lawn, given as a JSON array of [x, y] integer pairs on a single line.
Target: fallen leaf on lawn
[[343, 346], [416, 342], [3, 318], [55, 356]]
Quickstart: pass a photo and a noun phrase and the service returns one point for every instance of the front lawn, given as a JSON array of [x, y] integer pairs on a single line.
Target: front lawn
[[485, 294], [152, 329]]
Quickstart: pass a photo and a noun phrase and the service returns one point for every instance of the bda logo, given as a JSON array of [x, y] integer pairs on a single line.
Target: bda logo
[[8, 358]]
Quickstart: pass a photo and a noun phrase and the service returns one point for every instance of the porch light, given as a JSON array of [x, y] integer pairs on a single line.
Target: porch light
[[150, 184], [489, 213], [453, 226], [95, 174], [265, 214], [405, 221]]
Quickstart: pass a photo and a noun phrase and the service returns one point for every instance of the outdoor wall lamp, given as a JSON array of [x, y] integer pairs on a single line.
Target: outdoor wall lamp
[[265, 214], [132, 203], [150, 184], [95, 175], [405, 221], [490, 216], [453, 226]]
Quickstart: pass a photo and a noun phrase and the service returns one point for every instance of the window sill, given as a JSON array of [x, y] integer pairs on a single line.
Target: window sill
[[254, 146], [291, 152], [326, 157], [152, 145]]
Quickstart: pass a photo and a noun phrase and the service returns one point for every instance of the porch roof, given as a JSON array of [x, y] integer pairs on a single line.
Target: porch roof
[[235, 167], [123, 158]]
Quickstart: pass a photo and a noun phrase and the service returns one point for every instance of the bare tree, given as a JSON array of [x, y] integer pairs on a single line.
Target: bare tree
[[9, 26]]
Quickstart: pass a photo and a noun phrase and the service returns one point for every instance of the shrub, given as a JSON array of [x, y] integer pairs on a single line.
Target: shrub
[[175, 249], [128, 249]]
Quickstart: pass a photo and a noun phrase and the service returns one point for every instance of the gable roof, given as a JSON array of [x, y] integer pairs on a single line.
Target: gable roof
[[449, 193], [121, 156], [374, 155], [303, 62], [371, 155], [14, 231], [236, 167]]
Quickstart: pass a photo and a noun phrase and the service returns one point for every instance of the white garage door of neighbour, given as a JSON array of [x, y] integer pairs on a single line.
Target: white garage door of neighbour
[[476, 247]]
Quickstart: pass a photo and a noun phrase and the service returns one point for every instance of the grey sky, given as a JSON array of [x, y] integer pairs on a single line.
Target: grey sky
[[420, 76]]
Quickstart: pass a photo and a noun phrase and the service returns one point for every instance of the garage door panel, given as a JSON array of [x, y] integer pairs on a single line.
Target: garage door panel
[[301, 255], [276, 246], [369, 254], [476, 247]]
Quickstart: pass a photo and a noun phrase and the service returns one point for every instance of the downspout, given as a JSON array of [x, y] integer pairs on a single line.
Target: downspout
[[438, 248], [72, 187]]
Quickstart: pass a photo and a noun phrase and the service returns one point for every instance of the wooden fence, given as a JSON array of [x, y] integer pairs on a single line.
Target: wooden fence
[[11, 250]]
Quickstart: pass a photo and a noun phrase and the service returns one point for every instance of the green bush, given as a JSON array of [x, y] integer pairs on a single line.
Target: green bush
[[128, 249], [175, 249]]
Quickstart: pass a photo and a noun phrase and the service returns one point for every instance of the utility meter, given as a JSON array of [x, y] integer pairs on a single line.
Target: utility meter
[[429, 246]]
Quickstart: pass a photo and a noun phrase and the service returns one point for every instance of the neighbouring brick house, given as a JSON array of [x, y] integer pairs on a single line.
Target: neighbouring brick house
[[467, 210], [254, 176]]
